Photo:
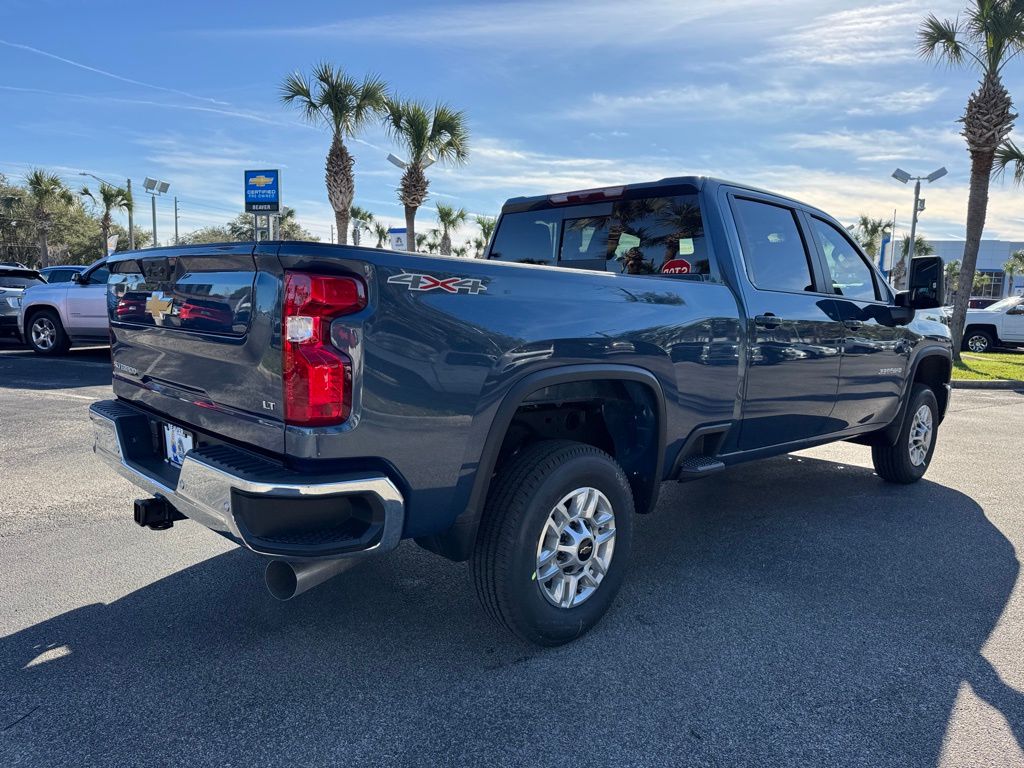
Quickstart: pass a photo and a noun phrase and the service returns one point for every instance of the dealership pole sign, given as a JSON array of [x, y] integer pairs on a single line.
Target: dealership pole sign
[[263, 191]]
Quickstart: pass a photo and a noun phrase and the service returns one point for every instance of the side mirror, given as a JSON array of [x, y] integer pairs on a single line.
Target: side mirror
[[927, 284], [76, 278]]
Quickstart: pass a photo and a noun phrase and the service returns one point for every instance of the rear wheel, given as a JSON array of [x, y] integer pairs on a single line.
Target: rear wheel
[[907, 460], [978, 341], [46, 335], [554, 541]]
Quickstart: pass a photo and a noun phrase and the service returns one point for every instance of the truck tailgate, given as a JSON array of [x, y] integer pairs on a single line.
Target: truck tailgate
[[196, 337]]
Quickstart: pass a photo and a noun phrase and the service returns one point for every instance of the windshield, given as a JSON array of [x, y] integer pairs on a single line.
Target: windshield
[[9, 281], [1004, 304]]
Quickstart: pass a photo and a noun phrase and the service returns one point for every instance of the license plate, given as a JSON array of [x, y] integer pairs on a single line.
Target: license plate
[[177, 442]]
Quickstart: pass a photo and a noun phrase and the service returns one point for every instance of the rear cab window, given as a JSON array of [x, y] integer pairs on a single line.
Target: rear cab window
[[648, 232]]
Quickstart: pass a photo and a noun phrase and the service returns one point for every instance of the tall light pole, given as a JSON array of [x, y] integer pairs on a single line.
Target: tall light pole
[[903, 177], [131, 208], [155, 188]]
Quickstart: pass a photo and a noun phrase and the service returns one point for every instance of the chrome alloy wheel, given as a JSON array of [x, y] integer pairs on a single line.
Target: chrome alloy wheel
[[921, 432], [575, 547], [44, 333], [977, 343]]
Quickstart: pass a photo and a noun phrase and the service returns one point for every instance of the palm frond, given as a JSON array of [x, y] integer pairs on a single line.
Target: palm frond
[[940, 39], [1009, 154]]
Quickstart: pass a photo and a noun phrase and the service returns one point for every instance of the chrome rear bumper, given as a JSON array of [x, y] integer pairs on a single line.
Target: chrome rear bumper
[[219, 486]]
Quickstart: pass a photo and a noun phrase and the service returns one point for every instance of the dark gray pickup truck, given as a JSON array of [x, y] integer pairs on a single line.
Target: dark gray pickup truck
[[317, 404]]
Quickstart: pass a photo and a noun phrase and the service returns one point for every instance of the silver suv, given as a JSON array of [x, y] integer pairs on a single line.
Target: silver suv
[[13, 283], [56, 315]]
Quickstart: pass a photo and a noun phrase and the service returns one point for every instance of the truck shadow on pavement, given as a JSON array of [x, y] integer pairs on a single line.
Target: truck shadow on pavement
[[21, 368], [793, 612]]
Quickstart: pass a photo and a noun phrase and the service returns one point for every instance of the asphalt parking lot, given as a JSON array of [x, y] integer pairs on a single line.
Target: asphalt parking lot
[[793, 612]]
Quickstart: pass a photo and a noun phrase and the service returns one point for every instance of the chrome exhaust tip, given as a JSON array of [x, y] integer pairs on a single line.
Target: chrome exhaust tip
[[286, 579]]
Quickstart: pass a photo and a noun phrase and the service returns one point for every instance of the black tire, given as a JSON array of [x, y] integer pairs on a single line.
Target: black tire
[[60, 342], [504, 561], [893, 462], [977, 341]]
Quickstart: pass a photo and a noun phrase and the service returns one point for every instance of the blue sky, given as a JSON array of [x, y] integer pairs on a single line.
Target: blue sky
[[815, 98]]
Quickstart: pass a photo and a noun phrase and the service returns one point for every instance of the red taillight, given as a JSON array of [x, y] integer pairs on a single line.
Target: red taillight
[[317, 376]]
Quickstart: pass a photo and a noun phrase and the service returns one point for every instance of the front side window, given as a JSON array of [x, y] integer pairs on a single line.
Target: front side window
[[850, 274], [773, 248], [98, 276]]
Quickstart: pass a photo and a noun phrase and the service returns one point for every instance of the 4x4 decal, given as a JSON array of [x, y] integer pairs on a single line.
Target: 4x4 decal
[[415, 281]]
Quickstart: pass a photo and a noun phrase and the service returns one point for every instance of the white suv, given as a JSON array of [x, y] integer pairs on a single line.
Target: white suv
[[999, 325], [56, 315]]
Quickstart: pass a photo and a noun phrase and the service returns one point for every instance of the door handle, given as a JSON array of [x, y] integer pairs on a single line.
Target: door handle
[[853, 325], [768, 320]]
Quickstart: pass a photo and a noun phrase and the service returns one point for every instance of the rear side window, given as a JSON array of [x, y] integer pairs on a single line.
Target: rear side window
[[527, 238], [16, 281], [850, 274], [774, 251], [639, 236]]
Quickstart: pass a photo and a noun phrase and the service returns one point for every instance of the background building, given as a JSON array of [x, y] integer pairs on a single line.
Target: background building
[[992, 255]]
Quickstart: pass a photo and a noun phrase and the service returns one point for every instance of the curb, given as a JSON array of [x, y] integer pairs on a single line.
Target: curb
[[986, 384]]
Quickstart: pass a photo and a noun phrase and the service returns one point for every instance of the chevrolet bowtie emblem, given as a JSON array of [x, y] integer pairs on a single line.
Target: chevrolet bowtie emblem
[[159, 305], [261, 180]]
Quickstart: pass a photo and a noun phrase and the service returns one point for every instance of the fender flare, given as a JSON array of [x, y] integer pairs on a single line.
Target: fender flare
[[889, 434], [457, 542]]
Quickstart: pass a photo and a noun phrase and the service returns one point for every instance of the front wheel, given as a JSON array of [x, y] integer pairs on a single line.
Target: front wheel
[[46, 334], [907, 460], [978, 341], [554, 541]]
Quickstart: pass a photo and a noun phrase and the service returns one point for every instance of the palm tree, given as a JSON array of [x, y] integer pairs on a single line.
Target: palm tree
[[362, 221], [986, 38], [952, 271], [48, 196], [1014, 266], [478, 244], [380, 231], [921, 248], [461, 251], [428, 135], [449, 218], [344, 105], [487, 225], [869, 233], [110, 199]]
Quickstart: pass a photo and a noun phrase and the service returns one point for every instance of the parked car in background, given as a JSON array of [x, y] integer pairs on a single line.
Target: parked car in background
[[17, 264], [998, 325], [62, 273], [13, 282], [56, 315], [980, 303]]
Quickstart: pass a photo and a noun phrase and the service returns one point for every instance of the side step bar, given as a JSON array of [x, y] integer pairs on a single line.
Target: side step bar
[[696, 467], [698, 457]]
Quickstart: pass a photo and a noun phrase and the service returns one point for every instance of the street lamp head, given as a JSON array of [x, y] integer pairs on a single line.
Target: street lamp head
[[935, 175], [397, 161], [149, 184], [901, 176], [162, 187]]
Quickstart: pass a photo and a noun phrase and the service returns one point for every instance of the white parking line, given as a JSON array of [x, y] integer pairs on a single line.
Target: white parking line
[[57, 393]]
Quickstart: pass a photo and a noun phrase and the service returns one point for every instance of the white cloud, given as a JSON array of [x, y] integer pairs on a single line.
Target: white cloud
[[769, 101], [873, 34], [915, 143], [568, 24]]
